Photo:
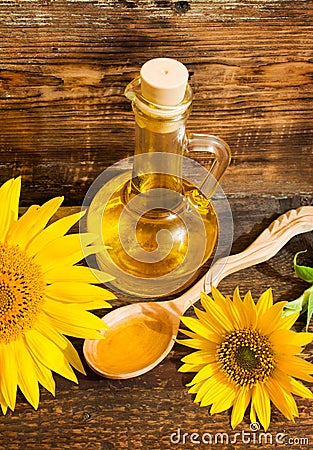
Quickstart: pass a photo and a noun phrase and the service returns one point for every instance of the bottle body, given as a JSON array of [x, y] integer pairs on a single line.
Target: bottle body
[[153, 252]]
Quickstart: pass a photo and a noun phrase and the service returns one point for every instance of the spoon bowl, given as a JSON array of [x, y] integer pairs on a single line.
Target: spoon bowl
[[132, 330], [141, 335]]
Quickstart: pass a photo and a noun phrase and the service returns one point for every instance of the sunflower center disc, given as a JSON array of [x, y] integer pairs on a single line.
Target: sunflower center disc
[[246, 357], [21, 292]]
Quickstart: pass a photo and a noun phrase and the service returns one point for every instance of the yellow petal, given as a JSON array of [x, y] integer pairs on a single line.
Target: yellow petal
[[226, 401], [253, 417], [5, 189], [283, 382], [20, 230], [92, 305], [4, 407], [46, 211], [73, 358], [210, 323], [34, 221], [287, 349], [292, 405], [262, 405], [191, 367], [67, 314], [239, 306], [27, 377], [250, 309], [77, 273], [190, 334], [279, 397], [63, 251], [78, 292], [61, 341], [200, 329], [3, 403], [206, 372], [43, 326], [212, 326], [192, 343], [8, 374], [281, 337], [272, 318], [281, 378], [9, 201], [214, 315], [264, 303], [228, 307], [199, 344], [45, 377], [6, 215], [199, 357], [75, 330], [295, 367], [70, 259], [241, 403], [15, 197], [288, 321], [297, 388], [204, 392], [195, 388], [212, 390], [54, 231], [49, 354], [204, 344], [217, 296]]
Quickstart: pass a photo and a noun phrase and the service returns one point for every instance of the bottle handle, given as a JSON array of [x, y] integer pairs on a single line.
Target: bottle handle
[[197, 145]]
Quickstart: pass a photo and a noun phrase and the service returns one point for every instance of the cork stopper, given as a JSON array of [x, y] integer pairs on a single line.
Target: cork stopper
[[164, 81]]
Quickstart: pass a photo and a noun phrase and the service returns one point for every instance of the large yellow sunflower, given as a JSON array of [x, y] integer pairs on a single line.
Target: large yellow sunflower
[[42, 296], [246, 353]]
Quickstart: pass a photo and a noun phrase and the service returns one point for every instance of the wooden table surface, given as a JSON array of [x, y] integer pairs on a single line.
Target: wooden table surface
[[64, 119]]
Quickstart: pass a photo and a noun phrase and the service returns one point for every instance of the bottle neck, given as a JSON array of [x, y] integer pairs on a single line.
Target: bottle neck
[[159, 147]]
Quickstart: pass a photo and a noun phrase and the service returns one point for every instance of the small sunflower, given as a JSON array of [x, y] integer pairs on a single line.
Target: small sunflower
[[42, 296], [246, 353]]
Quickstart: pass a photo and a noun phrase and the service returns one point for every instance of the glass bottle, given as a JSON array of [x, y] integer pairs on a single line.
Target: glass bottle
[[156, 226]]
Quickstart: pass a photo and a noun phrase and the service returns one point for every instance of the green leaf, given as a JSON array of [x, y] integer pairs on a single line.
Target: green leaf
[[298, 305], [305, 302], [310, 310], [302, 304], [303, 272]]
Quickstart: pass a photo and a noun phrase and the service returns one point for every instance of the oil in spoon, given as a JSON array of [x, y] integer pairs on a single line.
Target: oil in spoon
[[130, 345]]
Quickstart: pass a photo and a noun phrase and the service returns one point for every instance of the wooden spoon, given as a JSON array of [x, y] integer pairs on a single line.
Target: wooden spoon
[[142, 334]]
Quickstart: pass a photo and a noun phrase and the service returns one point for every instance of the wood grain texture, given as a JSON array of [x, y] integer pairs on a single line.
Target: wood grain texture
[[63, 119], [64, 66], [142, 413]]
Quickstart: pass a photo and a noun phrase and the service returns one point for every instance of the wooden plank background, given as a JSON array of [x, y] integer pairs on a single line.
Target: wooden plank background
[[64, 66]]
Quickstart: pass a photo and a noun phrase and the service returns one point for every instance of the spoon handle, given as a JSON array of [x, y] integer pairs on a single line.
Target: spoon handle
[[269, 242]]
